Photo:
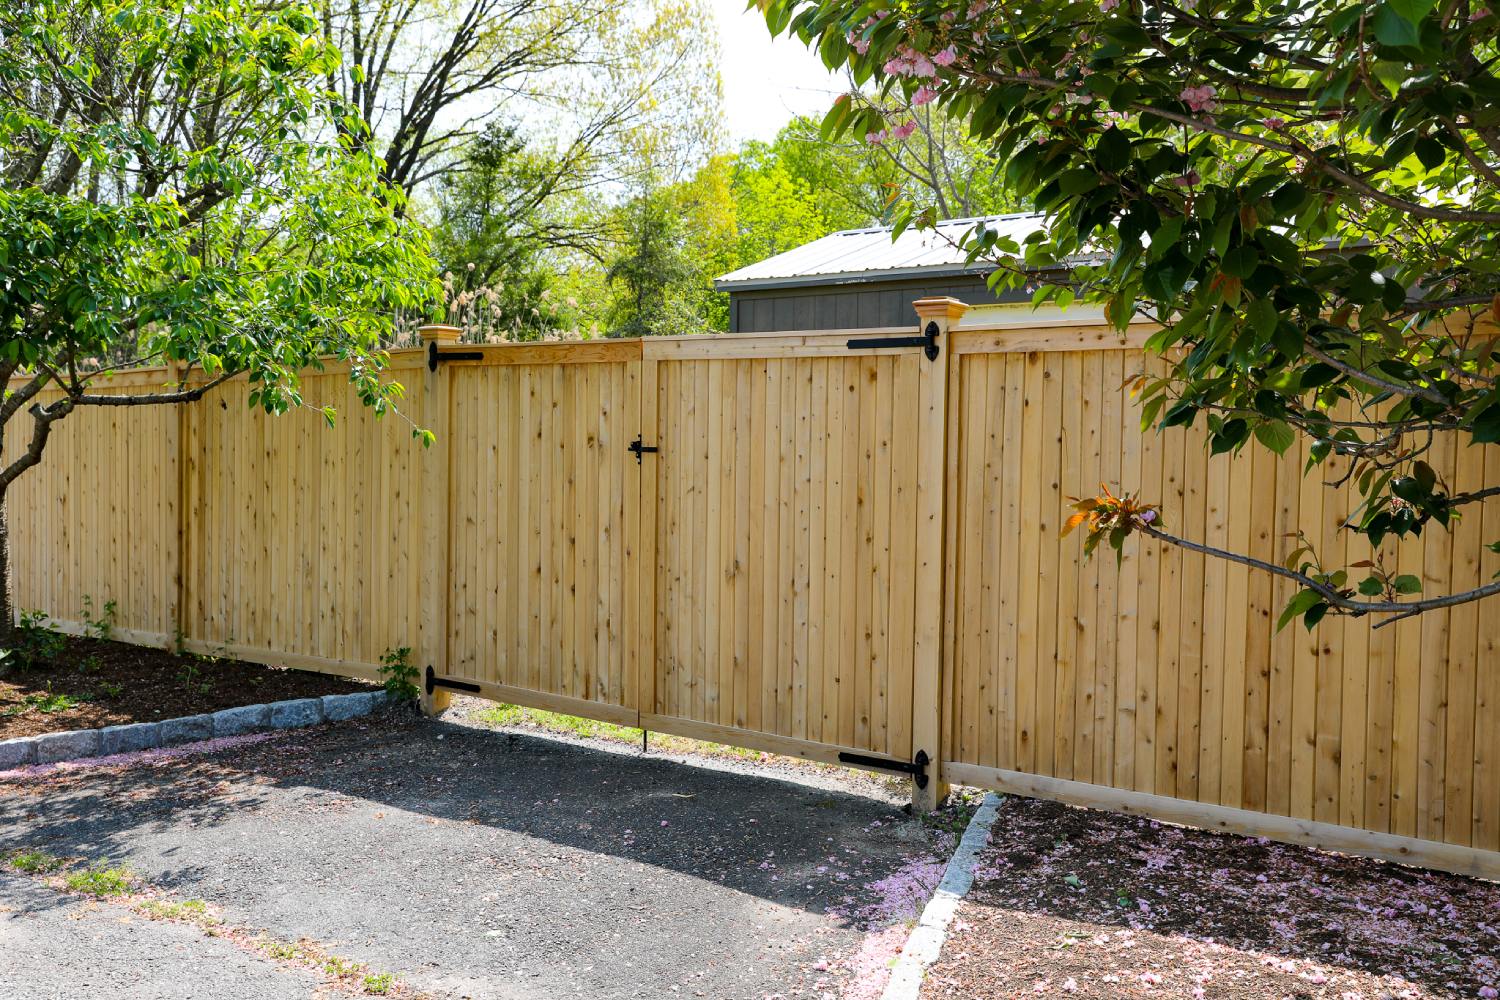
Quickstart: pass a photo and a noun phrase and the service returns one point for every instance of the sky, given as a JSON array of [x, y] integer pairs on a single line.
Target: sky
[[766, 81]]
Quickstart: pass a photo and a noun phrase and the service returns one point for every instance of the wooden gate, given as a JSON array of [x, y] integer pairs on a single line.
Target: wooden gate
[[542, 501], [785, 504]]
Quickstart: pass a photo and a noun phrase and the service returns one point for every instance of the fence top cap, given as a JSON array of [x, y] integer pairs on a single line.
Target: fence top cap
[[440, 332], [940, 307]]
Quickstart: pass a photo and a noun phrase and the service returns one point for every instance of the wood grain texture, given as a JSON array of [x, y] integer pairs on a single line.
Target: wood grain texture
[[1164, 673]]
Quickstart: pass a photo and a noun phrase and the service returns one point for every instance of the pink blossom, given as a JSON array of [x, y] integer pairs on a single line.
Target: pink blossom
[[924, 95], [1200, 98], [1070, 985], [947, 57], [876, 138], [903, 130], [1108, 4], [976, 8], [862, 45], [1489, 992]]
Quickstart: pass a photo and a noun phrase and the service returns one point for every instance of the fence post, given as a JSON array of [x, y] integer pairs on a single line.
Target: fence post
[[927, 648], [432, 630]]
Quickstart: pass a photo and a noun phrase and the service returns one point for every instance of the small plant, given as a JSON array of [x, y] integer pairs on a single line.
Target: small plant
[[336, 966], [91, 664], [34, 862], [101, 625], [379, 983], [179, 641], [37, 643], [399, 675], [193, 911], [102, 881], [111, 689], [191, 676], [281, 949], [46, 702]]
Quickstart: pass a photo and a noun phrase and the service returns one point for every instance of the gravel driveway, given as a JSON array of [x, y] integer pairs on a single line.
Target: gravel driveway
[[466, 862]]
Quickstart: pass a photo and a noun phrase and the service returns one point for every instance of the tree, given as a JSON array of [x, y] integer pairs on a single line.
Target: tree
[[928, 159], [1304, 195], [651, 270], [175, 194], [495, 221], [424, 77]]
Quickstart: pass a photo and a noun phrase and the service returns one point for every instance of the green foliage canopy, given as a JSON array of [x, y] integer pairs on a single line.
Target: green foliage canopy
[[176, 190], [1304, 194]]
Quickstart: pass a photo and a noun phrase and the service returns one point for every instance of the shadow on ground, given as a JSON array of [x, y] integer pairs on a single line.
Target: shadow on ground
[[487, 863]]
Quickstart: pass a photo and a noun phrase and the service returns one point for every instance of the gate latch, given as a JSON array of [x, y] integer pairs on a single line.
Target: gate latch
[[917, 768], [638, 449], [927, 341]]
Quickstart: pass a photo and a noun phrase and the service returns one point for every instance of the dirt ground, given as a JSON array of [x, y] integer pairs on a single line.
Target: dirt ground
[[1075, 902], [90, 683], [460, 861]]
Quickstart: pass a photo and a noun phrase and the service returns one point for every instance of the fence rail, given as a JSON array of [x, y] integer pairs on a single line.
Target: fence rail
[[831, 550]]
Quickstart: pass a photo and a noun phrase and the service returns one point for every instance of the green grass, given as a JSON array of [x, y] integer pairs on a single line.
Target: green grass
[[46, 703], [379, 984], [102, 881], [36, 862], [281, 949], [193, 911], [572, 725]]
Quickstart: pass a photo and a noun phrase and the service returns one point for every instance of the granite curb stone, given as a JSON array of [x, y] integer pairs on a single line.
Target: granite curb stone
[[130, 737], [52, 748]]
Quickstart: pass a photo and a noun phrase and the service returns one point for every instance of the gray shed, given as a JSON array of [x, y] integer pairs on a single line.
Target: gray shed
[[861, 278]]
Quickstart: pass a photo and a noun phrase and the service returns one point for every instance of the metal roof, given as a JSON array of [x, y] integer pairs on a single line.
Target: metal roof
[[871, 254]]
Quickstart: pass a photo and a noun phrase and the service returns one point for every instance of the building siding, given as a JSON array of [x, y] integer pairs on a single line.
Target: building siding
[[847, 306]]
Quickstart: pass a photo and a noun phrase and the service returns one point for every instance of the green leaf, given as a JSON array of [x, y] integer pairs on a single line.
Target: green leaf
[[1407, 584], [1413, 10], [1299, 605], [1392, 28], [1276, 435]]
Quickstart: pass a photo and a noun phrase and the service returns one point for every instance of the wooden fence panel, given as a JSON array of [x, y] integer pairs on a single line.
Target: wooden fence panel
[[96, 520], [770, 576], [301, 537], [785, 544], [543, 501], [1163, 674]]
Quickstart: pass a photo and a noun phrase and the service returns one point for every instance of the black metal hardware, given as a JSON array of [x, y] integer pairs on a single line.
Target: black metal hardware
[[927, 341], [434, 355], [434, 681], [638, 449], [917, 768]]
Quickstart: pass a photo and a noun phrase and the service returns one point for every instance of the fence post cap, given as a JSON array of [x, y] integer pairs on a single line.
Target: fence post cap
[[940, 307], [440, 333]]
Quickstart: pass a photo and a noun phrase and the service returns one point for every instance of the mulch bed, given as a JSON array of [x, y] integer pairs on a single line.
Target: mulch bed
[[1076, 902], [94, 682]]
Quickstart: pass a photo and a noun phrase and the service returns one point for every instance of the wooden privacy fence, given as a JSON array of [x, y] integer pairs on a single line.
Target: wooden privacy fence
[[836, 545]]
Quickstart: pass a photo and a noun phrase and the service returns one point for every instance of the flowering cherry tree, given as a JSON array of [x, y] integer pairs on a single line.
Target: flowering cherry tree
[[1303, 193]]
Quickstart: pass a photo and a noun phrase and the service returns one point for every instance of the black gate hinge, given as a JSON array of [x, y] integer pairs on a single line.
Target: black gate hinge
[[638, 449], [917, 768], [434, 681], [927, 341], [434, 355]]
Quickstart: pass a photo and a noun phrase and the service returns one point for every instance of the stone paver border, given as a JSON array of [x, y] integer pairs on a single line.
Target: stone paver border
[[927, 937], [51, 748]]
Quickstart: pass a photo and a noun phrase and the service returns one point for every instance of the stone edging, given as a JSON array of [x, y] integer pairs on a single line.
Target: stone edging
[[927, 937], [51, 748]]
